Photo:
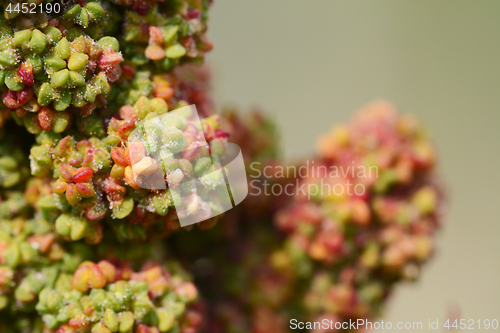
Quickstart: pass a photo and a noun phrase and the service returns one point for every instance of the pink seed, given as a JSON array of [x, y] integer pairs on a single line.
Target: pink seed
[[83, 175], [136, 152], [155, 35]]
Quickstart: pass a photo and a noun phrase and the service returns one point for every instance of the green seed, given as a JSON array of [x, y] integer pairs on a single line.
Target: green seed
[[59, 79], [83, 18], [63, 48], [127, 321], [100, 328], [22, 38], [77, 61], [74, 33], [7, 59], [90, 93], [170, 119], [124, 210], [73, 12], [12, 256], [61, 121], [109, 42], [36, 62], [212, 179], [172, 138], [165, 319], [46, 94], [175, 51], [2, 77], [78, 98], [63, 102], [10, 179], [63, 225], [53, 62], [79, 228], [202, 165], [46, 202], [159, 105], [41, 155], [101, 84], [76, 79], [111, 320], [4, 301], [8, 163], [160, 205], [95, 10], [31, 123], [169, 33], [13, 81], [53, 34], [38, 41]]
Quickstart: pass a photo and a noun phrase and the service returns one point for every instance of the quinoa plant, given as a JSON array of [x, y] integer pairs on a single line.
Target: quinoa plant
[[86, 247]]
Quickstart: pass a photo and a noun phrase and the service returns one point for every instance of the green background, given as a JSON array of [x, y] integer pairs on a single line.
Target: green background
[[311, 63]]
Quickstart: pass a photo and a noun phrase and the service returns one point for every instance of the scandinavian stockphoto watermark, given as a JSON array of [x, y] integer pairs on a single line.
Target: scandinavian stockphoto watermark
[[204, 178], [200, 179], [344, 180]]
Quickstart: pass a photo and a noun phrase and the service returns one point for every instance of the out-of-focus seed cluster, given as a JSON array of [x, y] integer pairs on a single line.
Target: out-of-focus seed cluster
[[332, 255], [13, 169]]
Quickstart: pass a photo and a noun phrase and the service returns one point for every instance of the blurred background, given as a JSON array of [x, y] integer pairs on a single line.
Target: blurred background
[[312, 63]]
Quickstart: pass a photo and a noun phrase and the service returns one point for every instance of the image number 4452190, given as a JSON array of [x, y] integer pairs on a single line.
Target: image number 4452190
[[33, 8]]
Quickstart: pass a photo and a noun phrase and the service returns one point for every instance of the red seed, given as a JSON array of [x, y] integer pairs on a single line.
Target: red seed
[[85, 189], [136, 152], [164, 92], [87, 109], [66, 172], [155, 35], [209, 132], [46, 118], [118, 155], [65, 329], [43, 242], [78, 322], [24, 95], [155, 52], [141, 328], [25, 71], [83, 145], [20, 112], [128, 71], [109, 61], [83, 175], [114, 74], [114, 190], [127, 113], [126, 127], [193, 14], [221, 134], [9, 98], [141, 7], [191, 151]]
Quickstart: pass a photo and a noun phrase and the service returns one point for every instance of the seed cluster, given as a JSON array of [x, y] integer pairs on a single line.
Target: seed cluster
[[323, 255], [73, 221]]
